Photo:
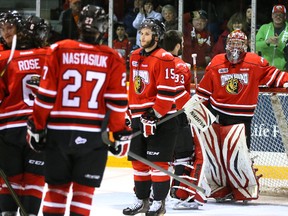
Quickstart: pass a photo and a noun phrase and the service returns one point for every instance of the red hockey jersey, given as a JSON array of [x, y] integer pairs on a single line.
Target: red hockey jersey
[[16, 98], [232, 89], [80, 83], [152, 82], [183, 81]]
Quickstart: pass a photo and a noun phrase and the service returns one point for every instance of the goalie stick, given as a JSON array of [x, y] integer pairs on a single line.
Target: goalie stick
[[13, 47], [13, 193]]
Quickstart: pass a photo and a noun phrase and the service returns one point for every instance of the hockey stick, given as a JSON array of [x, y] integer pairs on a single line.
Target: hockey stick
[[151, 164], [188, 108], [13, 47], [194, 56], [13, 193]]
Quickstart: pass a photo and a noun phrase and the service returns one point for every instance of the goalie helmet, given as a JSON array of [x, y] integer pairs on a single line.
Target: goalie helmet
[[236, 46], [39, 29], [156, 26]]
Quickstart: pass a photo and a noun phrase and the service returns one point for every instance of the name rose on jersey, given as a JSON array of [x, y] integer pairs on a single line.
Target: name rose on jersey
[[29, 64], [85, 59]]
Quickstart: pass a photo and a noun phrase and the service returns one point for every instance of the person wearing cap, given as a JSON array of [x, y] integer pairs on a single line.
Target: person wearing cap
[[69, 20], [272, 37], [197, 39]]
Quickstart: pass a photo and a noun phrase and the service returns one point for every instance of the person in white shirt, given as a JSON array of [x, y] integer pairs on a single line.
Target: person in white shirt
[[147, 11]]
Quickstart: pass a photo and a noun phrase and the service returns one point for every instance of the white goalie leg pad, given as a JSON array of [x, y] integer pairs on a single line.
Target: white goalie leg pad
[[198, 114], [238, 164], [214, 168]]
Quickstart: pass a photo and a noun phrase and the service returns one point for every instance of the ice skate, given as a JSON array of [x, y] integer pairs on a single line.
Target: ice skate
[[140, 206], [157, 208]]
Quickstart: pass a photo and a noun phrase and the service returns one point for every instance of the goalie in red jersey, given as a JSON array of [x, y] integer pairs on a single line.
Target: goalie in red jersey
[[230, 88], [82, 81]]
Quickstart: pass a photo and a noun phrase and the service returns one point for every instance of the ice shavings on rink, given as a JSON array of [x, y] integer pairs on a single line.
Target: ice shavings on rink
[[116, 193]]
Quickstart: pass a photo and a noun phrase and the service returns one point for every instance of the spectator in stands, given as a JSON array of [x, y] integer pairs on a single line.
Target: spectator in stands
[[169, 15], [130, 16], [248, 16], [121, 42], [147, 11], [197, 39], [69, 20], [236, 21], [271, 39]]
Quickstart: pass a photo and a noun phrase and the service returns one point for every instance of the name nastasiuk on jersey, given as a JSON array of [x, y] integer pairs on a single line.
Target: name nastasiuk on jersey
[[85, 59]]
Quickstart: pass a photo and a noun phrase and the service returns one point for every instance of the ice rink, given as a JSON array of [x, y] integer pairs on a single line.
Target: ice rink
[[116, 193]]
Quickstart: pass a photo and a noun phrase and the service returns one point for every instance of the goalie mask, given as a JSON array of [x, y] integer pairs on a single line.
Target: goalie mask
[[93, 22], [236, 46]]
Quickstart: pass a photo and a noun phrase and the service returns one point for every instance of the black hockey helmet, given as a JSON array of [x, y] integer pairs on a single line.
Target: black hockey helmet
[[15, 18], [157, 27], [39, 30], [93, 19]]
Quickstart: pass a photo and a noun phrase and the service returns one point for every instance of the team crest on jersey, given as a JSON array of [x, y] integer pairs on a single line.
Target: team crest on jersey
[[140, 79], [139, 84], [234, 83]]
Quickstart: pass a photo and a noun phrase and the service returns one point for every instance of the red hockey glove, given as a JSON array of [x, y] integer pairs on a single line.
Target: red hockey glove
[[148, 120], [33, 84], [120, 142], [35, 138]]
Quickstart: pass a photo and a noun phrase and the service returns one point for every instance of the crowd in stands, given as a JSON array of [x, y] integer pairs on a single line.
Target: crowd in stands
[[204, 33]]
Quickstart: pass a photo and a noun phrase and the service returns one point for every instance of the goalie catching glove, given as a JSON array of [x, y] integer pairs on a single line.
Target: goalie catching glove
[[148, 120], [120, 142], [35, 138]]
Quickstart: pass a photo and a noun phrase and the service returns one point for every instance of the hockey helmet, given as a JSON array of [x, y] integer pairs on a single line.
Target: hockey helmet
[[39, 29], [156, 26], [236, 46], [93, 19]]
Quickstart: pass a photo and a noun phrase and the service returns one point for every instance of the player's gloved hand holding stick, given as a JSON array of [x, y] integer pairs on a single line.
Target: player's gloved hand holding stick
[[148, 120], [119, 142], [35, 138]]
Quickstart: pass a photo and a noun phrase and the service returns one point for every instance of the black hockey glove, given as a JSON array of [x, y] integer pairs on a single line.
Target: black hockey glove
[[120, 142], [35, 138], [148, 120]]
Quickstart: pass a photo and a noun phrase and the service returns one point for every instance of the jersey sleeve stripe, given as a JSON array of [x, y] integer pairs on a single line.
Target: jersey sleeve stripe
[[116, 109], [110, 95], [166, 87], [166, 98], [46, 99], [49, 92], [80, 114], [43, 105]]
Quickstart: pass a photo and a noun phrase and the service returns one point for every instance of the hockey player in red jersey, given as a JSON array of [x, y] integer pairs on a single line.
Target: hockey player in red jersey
[[81, 82], [23, 167], [230, 87], [151, 97], [188, 153]]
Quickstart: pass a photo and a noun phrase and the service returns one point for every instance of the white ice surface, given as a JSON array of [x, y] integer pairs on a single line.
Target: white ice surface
[[116, 193]]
